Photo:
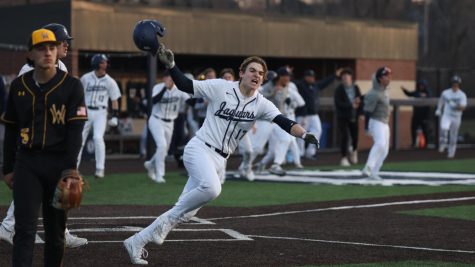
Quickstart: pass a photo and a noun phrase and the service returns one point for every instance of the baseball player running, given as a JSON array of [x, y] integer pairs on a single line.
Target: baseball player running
[[245, 144], [166, 104], [98, 88], [7, 228], [453, 102], [376, 108], [232, 109]]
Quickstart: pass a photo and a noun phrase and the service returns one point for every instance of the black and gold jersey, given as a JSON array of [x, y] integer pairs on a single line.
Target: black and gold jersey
[[44, 114]]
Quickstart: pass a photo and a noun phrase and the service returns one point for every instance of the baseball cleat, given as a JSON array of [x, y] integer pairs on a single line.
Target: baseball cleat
[[160, 180], [99, 174], [136, 252], [299, 166], [277, 170], [345, 162], [6, 234], [150, 170], [366, 171], [161, 231], [73, 241]]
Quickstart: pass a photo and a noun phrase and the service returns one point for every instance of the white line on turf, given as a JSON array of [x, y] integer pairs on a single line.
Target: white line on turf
[[365, 244], [412, 202]]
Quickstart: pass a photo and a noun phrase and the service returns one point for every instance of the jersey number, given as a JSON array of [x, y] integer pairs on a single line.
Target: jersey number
[[240, 134]]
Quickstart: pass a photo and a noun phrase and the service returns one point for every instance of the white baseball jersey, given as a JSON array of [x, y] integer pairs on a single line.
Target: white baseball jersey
[[26, 68], [450, 100], [97, 91], [170, 103], [230, 115]]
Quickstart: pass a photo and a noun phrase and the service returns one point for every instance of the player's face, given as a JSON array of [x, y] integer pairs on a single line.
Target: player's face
[[228, 76], [44, 55], [103, 65], [253, 76], [210, 75], [455, 86], [168, 82], [284, 80], [347, 79], [385, 80], [63, 49], [309, 78]]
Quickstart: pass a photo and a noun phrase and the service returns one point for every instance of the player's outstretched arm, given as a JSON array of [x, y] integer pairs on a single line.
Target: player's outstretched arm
[[167, 58], [296, 130]]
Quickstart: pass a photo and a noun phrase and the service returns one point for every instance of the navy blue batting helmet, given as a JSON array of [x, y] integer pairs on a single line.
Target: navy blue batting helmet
[[456, 79], [98, 59], [59, 31], [145, 35]]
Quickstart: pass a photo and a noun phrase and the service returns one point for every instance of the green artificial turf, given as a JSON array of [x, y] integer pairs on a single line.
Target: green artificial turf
[[464, 212], [137, 189]]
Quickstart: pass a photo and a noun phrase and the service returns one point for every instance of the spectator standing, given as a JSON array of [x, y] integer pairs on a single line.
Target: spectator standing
[[348, 102], [420, 114]]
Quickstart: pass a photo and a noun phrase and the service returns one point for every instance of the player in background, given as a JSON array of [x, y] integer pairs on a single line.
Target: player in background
[[284, 94], [453, 102], [62, 36], [308, 116], [376, 109], [98, 88], [245, 144], [233, 108], [166, 99], [7, 228]]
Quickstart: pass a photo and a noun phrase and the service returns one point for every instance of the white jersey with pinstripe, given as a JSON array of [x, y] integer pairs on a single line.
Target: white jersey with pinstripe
[[230, 115], [98, 90], [170, 103]]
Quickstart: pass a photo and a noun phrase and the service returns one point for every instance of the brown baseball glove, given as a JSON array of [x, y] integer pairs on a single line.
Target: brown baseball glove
[[68, 193]]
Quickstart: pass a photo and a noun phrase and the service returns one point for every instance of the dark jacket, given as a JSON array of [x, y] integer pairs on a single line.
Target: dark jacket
[[422, 91], [309, 93], [344, 108]]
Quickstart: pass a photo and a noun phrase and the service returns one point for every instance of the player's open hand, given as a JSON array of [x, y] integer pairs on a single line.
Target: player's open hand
[[311, 139], [166, 56]]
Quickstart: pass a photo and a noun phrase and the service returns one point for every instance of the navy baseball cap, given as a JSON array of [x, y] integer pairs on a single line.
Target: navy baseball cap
[[309, 72], [283, 71]]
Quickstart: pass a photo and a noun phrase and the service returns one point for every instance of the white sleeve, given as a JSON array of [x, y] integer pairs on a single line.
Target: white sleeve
[[61, 66], [184, 96], [113, 90], [24, 69], [296, 99], [208, 88], [267, 110], [157, 88]]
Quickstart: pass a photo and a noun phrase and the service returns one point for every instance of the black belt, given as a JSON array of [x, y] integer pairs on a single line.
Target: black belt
[[95, 108], [165, 120], [220, 152]]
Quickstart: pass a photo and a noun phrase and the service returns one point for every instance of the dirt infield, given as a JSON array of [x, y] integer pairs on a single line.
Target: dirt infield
[[335, 232]]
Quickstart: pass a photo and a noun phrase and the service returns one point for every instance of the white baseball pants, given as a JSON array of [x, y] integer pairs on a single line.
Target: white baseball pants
[[449, 130], [205, 167], [312, 124], [96, 119], [162, 132], [278, 145], [379, 151], [9, 221]]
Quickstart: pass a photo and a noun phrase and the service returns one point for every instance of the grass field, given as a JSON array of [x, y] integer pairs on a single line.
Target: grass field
[[130, 189], [464, 212]]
